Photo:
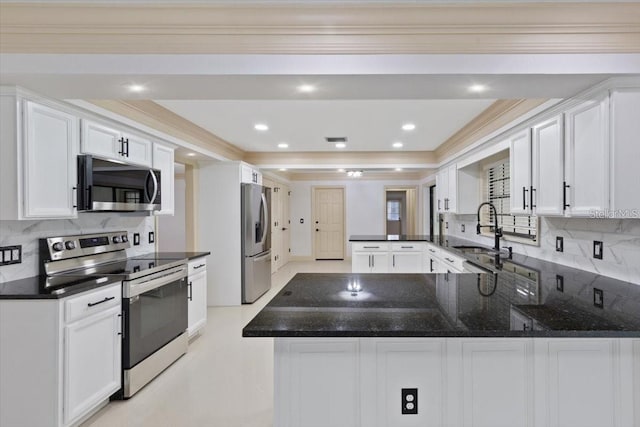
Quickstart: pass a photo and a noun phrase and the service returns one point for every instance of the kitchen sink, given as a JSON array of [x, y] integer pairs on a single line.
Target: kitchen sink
[[476, 250]]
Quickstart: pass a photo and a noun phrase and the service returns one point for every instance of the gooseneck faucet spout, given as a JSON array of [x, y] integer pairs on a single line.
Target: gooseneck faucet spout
[[497, 230]]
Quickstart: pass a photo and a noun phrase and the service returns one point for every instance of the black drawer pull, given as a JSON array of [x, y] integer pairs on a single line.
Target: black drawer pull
[[449, 259], [406, 247], [371, 247], [91, 304], [198, 266]]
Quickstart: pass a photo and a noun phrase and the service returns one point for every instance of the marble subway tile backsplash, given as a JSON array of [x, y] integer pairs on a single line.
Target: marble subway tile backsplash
[[27, 233], [621, 238]]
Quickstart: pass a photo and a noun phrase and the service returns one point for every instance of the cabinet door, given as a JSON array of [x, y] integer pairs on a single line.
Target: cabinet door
[[548, 167], [587, 158], [380, 262], [625, 152], [197, 313], [452, 193], [92, 361], [442, 188], [406, 262], [361, 262], [49, 161], [101, 140], [520, 171], [163, 160], [286, 224], [138, 150]]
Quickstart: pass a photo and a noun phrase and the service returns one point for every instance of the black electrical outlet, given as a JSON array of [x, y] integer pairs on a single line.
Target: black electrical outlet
[[462, 228], [598, 297], [301, 220], [597, 249], [11, 255], [559, 244], [559, 283], [136, 239], [409, 401], [152, 237]]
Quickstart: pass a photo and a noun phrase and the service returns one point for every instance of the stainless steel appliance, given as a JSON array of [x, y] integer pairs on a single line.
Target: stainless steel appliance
[[105, 185], [154, 304], [256, 241]]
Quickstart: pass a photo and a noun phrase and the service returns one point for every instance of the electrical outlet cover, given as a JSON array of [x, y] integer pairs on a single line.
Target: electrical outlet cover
[[409, 401], [598, 297], [559, 244], [152, 237], [598, 248]]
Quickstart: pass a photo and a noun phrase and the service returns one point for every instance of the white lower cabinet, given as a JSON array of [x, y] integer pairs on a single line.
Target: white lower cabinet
[[370, 257], [197, 304], [461, 382], [64, 354]]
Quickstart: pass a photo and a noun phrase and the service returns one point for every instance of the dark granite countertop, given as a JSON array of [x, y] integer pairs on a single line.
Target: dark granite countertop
[[173, 255], [34, 288], [437, 305], [390, 238]]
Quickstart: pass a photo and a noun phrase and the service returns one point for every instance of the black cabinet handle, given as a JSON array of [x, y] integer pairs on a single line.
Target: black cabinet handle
[[91, 304], [565, 205], [190, 291], [198, 266], [406, 247], [121, 141], [524, 198], [438, 204], [533, 190], [371, 247], [394, 260], [126, 145], [431, 264]]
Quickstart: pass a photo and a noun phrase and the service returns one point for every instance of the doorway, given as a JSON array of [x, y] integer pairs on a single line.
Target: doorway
[[328, 207], [400, 210]]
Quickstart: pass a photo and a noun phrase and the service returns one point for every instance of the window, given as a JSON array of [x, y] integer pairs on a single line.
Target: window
[[497, 192], [393, 210]]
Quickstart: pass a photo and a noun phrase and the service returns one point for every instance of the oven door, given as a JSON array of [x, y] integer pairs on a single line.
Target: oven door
[[152, 319]]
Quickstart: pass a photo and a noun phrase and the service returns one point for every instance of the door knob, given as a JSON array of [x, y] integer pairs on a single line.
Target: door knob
[[317, 229], [316, 222]]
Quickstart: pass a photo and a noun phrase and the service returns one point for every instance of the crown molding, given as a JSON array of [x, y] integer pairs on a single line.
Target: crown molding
[[349, 159], [497, 115], [366, 176], [154, 115], [547, 27]]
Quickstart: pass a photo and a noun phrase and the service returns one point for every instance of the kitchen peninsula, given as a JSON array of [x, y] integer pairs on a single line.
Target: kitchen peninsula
[[448, 349]]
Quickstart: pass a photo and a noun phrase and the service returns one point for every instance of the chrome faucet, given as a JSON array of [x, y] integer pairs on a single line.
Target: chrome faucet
[[497, 230]]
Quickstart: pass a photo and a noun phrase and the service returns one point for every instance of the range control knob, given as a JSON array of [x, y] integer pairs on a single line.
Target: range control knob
[[58, 246], [125, 239], [69, 245], [116, 239]]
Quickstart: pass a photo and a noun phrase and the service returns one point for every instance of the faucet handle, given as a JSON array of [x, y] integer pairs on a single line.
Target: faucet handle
[[478, 228]]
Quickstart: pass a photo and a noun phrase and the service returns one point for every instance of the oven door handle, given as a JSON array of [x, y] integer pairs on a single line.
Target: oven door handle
[[139, 287]]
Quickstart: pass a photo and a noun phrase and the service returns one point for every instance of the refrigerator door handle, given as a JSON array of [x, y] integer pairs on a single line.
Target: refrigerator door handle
[[265, 211], [262, 257]]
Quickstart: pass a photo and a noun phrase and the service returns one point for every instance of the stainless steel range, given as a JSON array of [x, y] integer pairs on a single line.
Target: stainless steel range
[[154, 298]]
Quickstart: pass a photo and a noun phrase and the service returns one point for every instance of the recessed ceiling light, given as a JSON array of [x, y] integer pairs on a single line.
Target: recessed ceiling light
[[283, 169], [306, 88], [340, 170], [341, 145], [408, 126], [398, 169], [354, 174], [283, 145], [261, 127], [191, 154], [477, 88], [397, 144], [136, 88]]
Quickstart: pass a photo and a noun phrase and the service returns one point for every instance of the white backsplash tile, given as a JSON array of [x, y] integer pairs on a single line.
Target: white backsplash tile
[[621, 238], [27, 233]]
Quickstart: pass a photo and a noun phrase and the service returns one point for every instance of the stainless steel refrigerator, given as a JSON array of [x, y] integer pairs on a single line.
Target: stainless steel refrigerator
[[256, 241]]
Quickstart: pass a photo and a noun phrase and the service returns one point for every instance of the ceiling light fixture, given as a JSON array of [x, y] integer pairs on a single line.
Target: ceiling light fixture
[[191, 154], [477, 88], [341, 145], [283, 169], [408, 126], [136, 88], [398, 169], [340, 170], [306, 88], [283, 145], [397, 144], [354, 174], [261, 127]]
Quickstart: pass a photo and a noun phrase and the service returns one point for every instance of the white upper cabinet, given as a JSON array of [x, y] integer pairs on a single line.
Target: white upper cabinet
[[163, 158], [49, 162], [442, 189], [625, 152], [458, 190], [110, 143], [548, 167], [520, 172], [586, 187], [452, 184], [250, 175]]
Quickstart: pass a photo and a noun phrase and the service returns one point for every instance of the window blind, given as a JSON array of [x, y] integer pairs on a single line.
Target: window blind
[[498, 188]]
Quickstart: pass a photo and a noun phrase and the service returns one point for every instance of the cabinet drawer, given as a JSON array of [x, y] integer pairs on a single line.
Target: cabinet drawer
[[408, 247], [452, 261], [92, 302], [197, 265], [432, 251], [370, 247]]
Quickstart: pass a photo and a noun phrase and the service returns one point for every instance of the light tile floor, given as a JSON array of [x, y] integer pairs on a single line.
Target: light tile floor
[[224, 380]]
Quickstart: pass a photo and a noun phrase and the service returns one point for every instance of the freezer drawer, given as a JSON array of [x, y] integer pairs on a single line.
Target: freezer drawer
[[256, 277]]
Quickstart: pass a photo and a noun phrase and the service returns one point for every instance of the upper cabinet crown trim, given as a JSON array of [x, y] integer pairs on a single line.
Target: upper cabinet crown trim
[[320, 29]]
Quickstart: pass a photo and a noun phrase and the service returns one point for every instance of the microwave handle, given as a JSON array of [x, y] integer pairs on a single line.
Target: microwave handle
[[155, 186]]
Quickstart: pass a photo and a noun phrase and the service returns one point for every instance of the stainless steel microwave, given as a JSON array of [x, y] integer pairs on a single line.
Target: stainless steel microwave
[[105, 185]]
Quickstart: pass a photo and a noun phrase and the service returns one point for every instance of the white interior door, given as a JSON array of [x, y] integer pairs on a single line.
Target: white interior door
[[328, 223]]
